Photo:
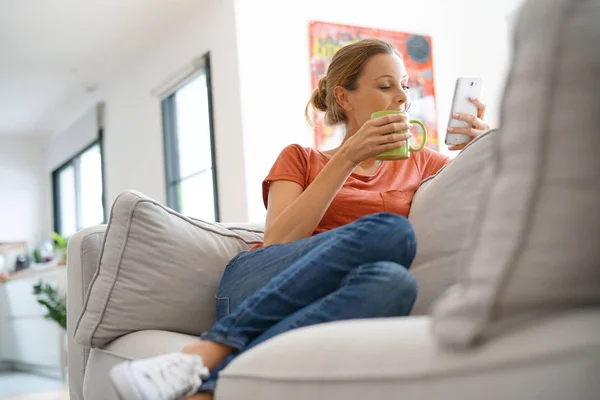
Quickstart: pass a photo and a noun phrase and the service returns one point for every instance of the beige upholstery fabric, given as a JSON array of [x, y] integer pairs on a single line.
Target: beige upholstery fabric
[[442, 211], [82, 258], [157, 270], [399, 358], [133, 346], [536, 242]]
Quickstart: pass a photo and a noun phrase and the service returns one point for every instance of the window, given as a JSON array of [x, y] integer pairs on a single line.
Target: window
[[78, 191], [189, 147]]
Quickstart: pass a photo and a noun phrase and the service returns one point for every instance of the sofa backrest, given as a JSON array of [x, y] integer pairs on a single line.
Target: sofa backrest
[[535, 246], [442, 211]]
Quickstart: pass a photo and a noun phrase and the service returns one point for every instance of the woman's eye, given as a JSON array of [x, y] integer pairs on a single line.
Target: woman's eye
[[405, 87], [385, 88]]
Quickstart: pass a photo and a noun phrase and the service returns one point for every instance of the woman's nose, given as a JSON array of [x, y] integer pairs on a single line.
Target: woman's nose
[[401, 97]]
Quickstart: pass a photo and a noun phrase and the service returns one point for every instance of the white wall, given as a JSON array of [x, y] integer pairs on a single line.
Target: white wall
[[261, 82], [81, 133], [469, 38], [23, 187], [133, 138]]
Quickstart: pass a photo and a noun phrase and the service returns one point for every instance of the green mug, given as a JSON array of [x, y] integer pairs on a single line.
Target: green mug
[[402, 152]]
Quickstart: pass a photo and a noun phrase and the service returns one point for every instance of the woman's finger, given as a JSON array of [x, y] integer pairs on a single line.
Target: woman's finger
[[480, 107], [458, 146], [388, 146], [470, 119], [393, 138], [388, 119], [391, 127], [472, 132]]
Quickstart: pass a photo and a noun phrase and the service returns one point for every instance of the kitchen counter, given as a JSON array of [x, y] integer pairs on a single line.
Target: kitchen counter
[[36, 269]]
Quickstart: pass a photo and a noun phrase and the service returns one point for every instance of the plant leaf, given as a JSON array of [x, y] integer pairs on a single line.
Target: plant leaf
[[61, 242], [56, 306]]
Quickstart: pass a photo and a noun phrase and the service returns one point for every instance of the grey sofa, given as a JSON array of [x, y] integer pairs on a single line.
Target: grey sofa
[[508, 263]]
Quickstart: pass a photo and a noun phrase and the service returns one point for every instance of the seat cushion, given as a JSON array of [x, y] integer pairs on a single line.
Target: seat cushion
[[157, 270], [134, 346], [535, 244], [400, 358], [442, 211]]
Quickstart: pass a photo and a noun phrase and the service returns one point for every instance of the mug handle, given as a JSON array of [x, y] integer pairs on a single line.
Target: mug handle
[[424, 131]]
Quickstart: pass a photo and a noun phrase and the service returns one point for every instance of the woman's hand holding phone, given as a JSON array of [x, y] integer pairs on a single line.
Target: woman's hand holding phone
[[477, 124]]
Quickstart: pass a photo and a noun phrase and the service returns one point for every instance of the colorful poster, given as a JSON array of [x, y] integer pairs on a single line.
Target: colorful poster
[[327, 38]]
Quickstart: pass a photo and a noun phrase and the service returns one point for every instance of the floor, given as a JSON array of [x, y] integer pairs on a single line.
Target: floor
[[60, 394], [23, 386]]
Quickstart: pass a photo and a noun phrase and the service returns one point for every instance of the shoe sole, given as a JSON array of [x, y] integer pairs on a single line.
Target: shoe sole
[[122, 382]]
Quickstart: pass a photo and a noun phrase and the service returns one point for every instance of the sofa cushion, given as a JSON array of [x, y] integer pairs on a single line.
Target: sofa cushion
[[157, 270], [535, 248], [399, 358], [442, 211]]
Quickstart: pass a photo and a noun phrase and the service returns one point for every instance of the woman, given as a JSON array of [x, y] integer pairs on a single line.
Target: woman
[[337, 242]]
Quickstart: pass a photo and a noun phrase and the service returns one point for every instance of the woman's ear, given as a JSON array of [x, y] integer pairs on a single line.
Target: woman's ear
[[342, 98]]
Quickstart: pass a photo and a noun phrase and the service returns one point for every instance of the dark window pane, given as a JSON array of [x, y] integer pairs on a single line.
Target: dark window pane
[[78, 192]]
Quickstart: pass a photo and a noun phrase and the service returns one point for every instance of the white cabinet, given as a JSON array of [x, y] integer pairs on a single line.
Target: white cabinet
[[28, 340], [6, 345], [36, 342], [21, 302]]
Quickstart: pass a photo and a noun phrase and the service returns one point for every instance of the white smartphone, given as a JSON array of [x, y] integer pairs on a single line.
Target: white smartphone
[[465, 87]]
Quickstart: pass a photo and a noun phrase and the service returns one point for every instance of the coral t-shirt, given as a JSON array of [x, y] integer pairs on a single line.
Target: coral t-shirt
[[390, 189]]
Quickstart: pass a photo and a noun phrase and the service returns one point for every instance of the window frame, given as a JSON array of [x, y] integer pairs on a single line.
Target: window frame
[[170, 139], [56, 185]]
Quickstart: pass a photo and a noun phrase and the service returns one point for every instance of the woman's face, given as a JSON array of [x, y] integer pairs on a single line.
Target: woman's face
[[382, 85]]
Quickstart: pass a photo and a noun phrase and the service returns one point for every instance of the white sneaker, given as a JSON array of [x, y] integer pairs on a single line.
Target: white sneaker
[[167, 377]]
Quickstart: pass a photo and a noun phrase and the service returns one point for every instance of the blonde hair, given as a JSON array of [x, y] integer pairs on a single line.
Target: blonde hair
[[344, 70]]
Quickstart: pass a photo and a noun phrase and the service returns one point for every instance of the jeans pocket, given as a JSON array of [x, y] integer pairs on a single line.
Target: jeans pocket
[[222, 307]]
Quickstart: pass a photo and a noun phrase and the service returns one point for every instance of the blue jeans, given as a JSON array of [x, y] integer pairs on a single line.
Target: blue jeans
[[359, 270]]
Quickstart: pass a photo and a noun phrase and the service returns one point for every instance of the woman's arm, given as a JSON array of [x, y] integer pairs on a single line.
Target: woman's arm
[[294, 214]]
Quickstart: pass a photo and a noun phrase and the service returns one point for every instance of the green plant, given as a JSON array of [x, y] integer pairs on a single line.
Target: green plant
[[60, 243], [59, 240], [56, 305]]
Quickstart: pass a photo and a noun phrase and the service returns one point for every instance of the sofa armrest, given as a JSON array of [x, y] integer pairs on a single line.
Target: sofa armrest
[[82, 258]]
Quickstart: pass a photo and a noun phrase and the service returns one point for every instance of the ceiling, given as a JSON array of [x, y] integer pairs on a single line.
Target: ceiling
[[53, 52], [57, 53]]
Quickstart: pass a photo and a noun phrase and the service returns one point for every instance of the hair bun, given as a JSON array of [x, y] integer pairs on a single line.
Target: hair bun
[[319, 99]]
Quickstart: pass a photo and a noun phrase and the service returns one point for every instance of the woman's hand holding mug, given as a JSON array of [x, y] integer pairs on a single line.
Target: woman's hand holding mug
[[376, 136]]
